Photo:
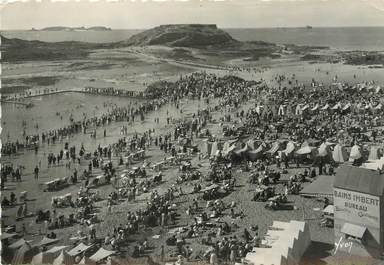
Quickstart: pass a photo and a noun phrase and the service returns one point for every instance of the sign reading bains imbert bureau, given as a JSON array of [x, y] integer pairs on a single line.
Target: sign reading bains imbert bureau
[[356, 207]]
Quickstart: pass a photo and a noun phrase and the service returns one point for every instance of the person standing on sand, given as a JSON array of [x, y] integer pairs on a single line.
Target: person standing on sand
[[36, 171]]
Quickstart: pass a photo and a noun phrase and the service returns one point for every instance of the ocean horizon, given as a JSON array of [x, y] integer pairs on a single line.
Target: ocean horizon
[[341, 38]]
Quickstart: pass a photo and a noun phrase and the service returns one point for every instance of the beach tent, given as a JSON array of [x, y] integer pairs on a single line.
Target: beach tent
[[355, 153], [324, 150], [64, 259], [305, 150], [251, 144], [229, 145], [346, 107], [290, 148], [46, 241], [377, 164], [378, 89], [24, 254], [79, 249], [339, 154], [5, 235], [336, 107], [325, 107], [56, 249], [298, 110], [286, 243], [227, 151], [214, 148], [101, 254], [86, 261], [329, 210], [112, 261], [305, 108], [315, 107], [282, 110], [374, 153], [42, 258], [19, 243], [253, 155], [275, 147], [242, 151]]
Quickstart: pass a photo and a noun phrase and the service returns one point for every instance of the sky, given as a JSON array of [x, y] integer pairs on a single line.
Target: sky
[[141, 14]]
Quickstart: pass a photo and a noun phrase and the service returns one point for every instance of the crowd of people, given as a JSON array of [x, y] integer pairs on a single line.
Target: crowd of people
[[264, 121]]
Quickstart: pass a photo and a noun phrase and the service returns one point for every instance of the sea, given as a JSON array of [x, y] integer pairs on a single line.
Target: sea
[[347, 38]]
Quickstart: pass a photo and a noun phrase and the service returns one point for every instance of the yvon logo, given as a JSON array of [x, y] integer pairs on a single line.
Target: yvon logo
[[343, 246]]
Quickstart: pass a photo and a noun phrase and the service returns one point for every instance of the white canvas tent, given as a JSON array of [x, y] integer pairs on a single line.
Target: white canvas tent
[[339, 154], [305, 150], [355, 153], [56, 249], [326, 106], [64, 259], [324, 150], [214, 148], [377, 164], [19, 243], [374, 153], [286, 241], [42, 258], [316, 107], [290, 148], [101, 254], [86, 261], [79, 249]]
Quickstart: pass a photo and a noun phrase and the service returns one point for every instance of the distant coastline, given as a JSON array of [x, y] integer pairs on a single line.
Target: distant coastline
[[61, 28]]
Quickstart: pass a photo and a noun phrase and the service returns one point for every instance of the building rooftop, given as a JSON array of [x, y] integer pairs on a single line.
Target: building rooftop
[[360, 179]]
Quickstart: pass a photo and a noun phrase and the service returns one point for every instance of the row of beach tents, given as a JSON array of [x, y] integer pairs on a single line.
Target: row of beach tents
[[300, 109], [27, 253], [253, 150]]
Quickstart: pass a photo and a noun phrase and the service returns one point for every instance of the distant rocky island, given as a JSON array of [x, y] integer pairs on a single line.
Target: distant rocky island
[[182, 35], [207, 39], [61, 28]]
